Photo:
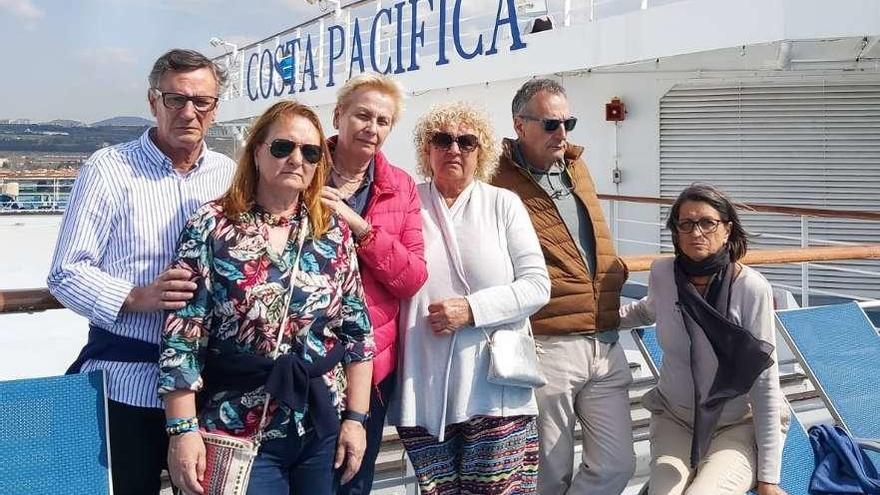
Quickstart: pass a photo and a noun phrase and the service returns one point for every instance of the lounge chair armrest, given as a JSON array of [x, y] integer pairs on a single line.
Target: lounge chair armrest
[[868, 443]]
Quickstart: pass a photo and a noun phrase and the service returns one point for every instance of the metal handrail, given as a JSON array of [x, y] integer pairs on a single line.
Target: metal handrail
[[760, 208], [39, 299], [642, 263], [27, 300], [31, 300]]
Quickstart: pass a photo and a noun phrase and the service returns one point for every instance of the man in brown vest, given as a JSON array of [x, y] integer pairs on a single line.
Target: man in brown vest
[[576, 332]]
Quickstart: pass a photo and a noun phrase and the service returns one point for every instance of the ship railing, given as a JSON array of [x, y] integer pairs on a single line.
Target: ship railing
[[833, 245], [474, 22], [392, 469], [35, 194]]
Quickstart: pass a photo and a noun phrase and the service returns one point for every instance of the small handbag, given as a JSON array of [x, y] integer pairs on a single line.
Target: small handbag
[[228, 463], [229, 459], [513, 359]]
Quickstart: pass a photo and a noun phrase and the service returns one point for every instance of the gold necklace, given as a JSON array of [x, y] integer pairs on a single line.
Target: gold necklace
[[348, 179]]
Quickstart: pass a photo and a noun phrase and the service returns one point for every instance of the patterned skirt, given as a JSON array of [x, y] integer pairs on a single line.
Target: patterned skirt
[[485, 455]]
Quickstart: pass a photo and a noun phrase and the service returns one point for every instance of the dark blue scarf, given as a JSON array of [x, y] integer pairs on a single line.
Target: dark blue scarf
[[741, 356]]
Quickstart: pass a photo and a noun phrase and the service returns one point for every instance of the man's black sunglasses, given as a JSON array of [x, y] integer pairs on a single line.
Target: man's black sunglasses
[[176, 101], [282, 148], [550, 125], [466, 142]]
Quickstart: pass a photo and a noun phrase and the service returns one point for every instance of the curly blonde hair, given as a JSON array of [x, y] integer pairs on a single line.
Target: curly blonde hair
[[445, 115]]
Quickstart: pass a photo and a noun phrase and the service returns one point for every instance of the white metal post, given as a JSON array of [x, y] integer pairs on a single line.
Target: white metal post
[[378, 34], [805, 266], [321, 52]]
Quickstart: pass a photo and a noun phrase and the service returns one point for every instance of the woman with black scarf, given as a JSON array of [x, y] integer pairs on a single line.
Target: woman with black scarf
[[718, 416]]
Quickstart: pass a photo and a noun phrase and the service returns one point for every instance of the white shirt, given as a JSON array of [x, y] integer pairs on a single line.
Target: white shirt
[[501, 259], [126, 210]]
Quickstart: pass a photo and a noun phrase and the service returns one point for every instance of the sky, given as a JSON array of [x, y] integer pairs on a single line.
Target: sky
[[88, 60]]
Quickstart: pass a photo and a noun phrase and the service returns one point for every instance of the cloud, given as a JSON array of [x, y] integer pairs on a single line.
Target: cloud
[[22, 9], [103, 57]]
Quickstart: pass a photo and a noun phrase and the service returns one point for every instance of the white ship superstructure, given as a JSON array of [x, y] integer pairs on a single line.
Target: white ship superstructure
[[776, 101]]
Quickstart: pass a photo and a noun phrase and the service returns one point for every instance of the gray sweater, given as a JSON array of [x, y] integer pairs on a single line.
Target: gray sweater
[[751, 306]]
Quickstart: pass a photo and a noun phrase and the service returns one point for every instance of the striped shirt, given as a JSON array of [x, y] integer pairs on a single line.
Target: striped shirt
[[126, 211]]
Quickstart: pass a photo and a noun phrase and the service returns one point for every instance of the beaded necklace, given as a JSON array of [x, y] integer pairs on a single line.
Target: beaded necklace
[[272, 220]]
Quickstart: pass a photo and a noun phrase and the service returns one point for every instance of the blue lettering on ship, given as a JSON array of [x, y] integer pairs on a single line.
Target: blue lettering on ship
[[271, 72]]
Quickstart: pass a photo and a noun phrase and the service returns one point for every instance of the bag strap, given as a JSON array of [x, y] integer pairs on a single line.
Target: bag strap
[[294, 271], [489, 337]]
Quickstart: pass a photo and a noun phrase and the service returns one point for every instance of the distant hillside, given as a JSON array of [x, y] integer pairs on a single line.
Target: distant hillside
[[51, 138], [124, 122], [65, 123]]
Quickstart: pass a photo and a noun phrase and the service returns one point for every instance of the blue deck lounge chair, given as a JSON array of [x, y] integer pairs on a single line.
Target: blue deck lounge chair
[[839, 350], [797, 454], [53, 438]]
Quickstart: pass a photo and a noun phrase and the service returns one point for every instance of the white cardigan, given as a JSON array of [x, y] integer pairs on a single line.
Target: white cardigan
[[500, 256], [751, 306]]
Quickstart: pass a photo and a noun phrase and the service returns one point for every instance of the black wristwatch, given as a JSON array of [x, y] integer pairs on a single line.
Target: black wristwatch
[[356, 416]]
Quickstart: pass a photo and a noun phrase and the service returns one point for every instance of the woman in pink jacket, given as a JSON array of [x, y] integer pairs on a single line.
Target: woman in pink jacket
[[381, 206]]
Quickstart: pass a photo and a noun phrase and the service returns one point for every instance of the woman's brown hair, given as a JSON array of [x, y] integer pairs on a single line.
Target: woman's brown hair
[[738, 242], [243, 191]]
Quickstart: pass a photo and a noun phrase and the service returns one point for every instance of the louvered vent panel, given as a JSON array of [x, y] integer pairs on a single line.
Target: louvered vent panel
[[803, 144]]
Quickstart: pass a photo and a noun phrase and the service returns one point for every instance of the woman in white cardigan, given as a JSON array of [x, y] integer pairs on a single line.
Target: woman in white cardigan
[[485, 272], [718, 417]]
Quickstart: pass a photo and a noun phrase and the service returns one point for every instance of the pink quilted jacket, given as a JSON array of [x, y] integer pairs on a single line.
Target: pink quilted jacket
[[392, 263]]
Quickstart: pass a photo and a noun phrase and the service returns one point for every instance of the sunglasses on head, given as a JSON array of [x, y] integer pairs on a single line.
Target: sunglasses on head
[[444, 140], [282, 148], [550, 125]]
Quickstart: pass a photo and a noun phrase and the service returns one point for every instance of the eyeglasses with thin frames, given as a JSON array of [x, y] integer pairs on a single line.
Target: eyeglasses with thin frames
[[550, 125], [176, 101], [706, 225]]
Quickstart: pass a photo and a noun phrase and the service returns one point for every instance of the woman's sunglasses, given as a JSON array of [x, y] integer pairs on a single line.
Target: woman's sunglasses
[[282, 148], [550, 125], [444, 140]]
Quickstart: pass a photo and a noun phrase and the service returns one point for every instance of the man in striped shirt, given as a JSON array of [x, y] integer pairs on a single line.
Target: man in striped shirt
[[117, 239]]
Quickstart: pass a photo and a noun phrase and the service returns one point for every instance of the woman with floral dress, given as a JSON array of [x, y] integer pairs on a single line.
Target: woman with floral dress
[[266, 253]]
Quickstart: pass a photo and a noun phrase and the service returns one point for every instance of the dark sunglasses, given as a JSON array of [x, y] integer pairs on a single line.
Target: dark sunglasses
[[176, 101], [466, 142], [550, 125], [282, 148]]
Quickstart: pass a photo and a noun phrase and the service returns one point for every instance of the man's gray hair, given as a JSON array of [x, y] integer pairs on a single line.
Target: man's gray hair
[[532, 87], [179, 60]]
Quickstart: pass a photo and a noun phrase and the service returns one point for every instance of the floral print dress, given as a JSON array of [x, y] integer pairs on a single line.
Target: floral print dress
[[242, 286]]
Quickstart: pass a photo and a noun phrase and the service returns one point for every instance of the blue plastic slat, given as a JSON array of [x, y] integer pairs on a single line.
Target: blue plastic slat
[[53, 438], [652, 345], [797, 459], [842, 351]]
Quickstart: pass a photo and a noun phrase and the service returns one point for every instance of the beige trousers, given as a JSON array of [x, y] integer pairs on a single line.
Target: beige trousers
[[728, 468], [587, 383]]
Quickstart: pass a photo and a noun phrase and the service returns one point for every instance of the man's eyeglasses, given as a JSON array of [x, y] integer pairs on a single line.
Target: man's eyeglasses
[[444, 140], [706, 225], [176, 101], [282, 148], [550, 125]]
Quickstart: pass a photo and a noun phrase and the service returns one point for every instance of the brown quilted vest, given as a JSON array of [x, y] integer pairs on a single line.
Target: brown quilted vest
[[579, 301]]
